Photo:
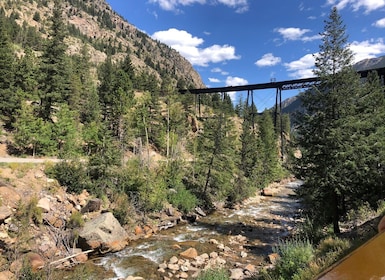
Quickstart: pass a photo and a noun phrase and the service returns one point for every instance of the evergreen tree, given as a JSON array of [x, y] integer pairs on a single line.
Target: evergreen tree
[[54, 68], [9, 98], [116, 97], [270, 169], [363, 154], [27, 75], [250, 140], [65, 133], [327, 107], [216, 160], [33, 135]]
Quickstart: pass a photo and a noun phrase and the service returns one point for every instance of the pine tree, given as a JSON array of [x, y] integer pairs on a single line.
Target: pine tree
[[55, 76], [270, 169], [9, 98], [326, 107], [216, 160], [27, 75]]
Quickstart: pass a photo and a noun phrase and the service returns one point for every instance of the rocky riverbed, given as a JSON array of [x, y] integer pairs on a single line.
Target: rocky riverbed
[[239, 240]]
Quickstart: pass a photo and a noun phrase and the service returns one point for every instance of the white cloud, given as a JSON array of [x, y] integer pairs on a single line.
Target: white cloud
[[219, 70], [240, 6], [380, 23], [296, 34], [367, 5], [234, 81], [174, 37], [367, 49], [268, 60], [171, 5], [188, 46], [214, 80], [302, 68]]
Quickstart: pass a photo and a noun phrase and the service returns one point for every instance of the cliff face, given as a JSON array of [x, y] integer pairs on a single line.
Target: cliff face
[[95, 23]]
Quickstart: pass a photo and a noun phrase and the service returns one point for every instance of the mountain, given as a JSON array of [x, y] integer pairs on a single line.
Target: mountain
[[93, 22], [370, 64]]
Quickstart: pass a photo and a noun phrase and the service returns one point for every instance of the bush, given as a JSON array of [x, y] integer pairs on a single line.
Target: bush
[[72, 175], [122, 210], [214, 274], [311, 231], [295, 256], [183, 199], [29, 212], [76, 220]]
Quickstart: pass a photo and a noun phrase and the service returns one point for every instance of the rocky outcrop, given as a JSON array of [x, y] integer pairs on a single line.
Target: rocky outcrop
[[104, 234]]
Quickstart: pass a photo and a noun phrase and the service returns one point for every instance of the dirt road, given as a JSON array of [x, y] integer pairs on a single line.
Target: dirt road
[[27, 160]]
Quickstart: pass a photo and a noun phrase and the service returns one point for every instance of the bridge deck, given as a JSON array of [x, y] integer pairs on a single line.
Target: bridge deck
[[283, 85]]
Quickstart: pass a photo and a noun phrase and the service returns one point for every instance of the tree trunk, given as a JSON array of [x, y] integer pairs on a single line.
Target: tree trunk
[[335, 213]]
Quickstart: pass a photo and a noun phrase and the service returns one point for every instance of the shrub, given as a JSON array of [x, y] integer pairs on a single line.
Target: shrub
[[76, 220], [29, 212], [183, 199], [122, 209], [214, 274], [72, 175], [310, 230], [332, 246], [295, 255]]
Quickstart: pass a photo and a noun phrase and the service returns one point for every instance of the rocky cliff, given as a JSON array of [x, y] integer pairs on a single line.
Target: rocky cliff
[[105, 32]]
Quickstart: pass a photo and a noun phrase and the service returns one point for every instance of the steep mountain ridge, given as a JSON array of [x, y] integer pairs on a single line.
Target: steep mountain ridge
[[106, 33]]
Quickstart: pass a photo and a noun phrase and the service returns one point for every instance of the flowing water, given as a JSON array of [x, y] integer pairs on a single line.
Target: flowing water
[[262, 220]]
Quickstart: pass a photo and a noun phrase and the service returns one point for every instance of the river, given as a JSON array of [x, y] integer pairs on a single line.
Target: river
[[248, 233]]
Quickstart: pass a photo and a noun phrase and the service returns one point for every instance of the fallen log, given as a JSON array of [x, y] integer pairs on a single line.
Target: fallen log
[[70, 257]]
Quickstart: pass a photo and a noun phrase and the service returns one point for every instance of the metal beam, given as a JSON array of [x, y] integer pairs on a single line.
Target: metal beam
[[283, 85]]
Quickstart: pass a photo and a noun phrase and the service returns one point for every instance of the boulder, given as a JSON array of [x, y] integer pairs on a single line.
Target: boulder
[[269, 192], [138, 230], [190, 253], [6, 275], [44, 204], [5, 213], [236, 273], [92, 205], [250, 268], [34, 260], [103, 233], [9, 196], [173, 260], [273, 258]]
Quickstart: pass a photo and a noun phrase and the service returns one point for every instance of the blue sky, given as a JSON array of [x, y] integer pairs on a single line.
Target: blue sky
[[237, 42]]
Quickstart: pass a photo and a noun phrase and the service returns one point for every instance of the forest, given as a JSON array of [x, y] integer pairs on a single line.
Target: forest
[[108, 121]]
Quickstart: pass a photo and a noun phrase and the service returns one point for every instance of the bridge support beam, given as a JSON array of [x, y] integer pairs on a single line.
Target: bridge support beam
[[278, 118]]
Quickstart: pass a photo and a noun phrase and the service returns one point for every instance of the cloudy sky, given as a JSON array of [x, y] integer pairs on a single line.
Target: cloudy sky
[[237, 42]]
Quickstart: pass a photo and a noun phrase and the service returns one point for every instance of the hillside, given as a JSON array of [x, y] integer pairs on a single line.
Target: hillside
[[106, 33]]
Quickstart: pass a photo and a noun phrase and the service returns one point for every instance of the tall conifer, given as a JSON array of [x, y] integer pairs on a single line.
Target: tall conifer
[[55, 75], [327, 107], [9, 99]]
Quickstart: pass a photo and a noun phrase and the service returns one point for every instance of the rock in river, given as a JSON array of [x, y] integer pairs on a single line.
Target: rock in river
[[104, 233]]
